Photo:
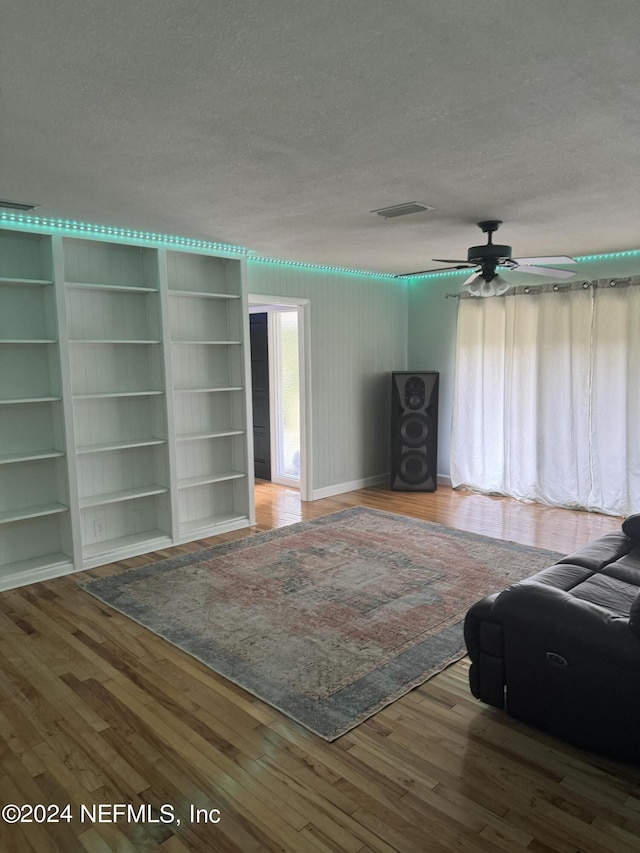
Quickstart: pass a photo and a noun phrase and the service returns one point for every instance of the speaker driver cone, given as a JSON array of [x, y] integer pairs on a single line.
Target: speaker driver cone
[[414, 467], [414, 430]]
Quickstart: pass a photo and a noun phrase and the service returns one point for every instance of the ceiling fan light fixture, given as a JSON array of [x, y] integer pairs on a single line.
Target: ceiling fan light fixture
[[487, 288], [501, 285], [496, 286]]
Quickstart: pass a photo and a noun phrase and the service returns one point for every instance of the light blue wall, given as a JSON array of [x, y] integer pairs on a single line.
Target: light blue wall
[[358, 336], [432, 331], [431, 346]]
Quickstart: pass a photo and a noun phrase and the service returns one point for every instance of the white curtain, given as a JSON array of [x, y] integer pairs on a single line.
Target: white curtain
[[547, 398]]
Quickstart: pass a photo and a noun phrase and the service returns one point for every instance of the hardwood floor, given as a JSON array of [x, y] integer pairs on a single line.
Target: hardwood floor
[[96, 709]]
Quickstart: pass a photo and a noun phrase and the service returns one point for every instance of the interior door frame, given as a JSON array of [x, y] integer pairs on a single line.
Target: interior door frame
[[259, 302]]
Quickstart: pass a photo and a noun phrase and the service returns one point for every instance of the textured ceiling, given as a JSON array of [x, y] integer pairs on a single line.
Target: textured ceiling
[[279, 124]]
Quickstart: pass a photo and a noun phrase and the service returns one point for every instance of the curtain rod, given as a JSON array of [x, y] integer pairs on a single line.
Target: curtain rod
[[564, 287]]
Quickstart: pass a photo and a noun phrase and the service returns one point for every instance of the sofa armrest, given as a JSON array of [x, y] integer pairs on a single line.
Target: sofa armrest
[[484, 639], [533, 613], [533, 626]]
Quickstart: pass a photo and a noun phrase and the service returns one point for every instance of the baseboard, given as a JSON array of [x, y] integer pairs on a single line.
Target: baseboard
[[24, 578], [354, 485], [351, 486]]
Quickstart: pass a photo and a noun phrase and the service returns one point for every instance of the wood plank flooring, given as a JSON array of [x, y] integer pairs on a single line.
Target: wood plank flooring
[[94, 709]]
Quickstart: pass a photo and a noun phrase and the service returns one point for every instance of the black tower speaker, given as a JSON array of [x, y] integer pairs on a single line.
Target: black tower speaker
[[414, 431]]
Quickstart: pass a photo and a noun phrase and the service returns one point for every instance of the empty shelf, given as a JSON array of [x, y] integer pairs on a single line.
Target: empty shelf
[[23, 513], [120, 445], [204, 479], [29, 456], [121, 495]]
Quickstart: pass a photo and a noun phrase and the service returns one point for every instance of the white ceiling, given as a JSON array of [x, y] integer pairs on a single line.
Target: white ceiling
[[279, 124]]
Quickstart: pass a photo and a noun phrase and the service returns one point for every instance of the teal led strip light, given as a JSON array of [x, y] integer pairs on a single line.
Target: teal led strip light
[[321, 267], [75, 229], [631, 253]]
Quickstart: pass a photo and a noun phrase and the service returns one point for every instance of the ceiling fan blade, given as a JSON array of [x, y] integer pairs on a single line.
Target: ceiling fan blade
[[409, 274], [425, 272], [456, 267], [544, 271], [472, 278], [552, 259], [451, 261]]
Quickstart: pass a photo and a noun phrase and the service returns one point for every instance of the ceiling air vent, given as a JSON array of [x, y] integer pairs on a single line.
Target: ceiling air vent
[[17, 205], [402, 209]]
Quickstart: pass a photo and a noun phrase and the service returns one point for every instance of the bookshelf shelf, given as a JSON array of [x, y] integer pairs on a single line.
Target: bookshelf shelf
[[37, 511], [10, 458], [13, 281]]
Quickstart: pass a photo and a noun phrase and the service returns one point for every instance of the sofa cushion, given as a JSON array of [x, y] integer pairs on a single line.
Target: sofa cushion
[[631, 526], [612, 594], [627, 568], [600, 552], [562, 576]]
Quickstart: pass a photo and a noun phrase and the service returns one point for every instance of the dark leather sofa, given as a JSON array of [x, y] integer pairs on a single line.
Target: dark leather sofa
[[561, 650]]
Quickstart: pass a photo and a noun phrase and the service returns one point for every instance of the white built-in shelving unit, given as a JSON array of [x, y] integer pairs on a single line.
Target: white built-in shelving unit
[[35, 526], [207, 322], [118, 393], [124, 402]]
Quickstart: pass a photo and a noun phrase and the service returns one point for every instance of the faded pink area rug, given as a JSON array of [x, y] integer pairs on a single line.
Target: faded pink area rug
[[327, 620]]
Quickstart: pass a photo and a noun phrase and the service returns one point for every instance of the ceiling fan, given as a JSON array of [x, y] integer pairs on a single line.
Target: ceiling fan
[[485, 280]]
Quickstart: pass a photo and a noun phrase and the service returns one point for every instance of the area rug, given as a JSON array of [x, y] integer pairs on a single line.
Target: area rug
[[327, 620]]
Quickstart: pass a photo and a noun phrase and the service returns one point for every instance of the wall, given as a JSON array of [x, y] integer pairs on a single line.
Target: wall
[[431, 346], [432, 331], [358, 336]]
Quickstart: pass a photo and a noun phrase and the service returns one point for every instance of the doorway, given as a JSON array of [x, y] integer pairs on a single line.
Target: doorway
[[260, 394], [281, 390]]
